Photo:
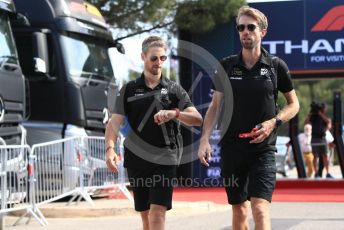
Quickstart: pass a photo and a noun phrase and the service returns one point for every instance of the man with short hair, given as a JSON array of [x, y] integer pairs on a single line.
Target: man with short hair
[[305, 140], [154, 106], [248, 145]]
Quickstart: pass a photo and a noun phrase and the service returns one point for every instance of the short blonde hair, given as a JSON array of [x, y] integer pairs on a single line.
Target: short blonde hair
[[255, 14], [153, 41]]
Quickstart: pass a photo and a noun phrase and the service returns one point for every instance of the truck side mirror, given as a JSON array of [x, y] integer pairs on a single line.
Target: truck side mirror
[[40, 52], [20, 20], [120, 47]]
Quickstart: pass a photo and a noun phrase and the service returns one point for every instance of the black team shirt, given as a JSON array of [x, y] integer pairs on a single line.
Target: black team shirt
[[139, 103], [253, 97]]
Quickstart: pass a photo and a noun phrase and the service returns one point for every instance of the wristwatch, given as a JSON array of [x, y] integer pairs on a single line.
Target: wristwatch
[[278, 122]]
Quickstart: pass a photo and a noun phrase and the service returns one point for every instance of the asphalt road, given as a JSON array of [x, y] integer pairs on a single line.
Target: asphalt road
[[294, 216]]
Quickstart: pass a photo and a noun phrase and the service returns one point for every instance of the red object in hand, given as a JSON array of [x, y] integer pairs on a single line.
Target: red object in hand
[[248, 135], [244, 135]]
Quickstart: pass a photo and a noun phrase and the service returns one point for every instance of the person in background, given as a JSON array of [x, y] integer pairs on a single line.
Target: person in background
[[329, 140], [320, 124], [305, 140]]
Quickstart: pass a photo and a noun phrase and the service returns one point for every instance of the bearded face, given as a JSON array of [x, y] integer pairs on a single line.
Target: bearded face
[[250, 33], [154, 59]]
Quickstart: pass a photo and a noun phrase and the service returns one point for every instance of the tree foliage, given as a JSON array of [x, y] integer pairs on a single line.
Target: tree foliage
[[136, 16], [312, 90], [319, 91], [204, 15], [172, 74]]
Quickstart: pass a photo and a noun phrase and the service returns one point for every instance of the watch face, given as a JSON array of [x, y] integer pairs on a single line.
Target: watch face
[[278, 122]]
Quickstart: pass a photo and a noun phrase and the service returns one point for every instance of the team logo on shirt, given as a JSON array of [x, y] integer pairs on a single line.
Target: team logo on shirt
[[164, 98], [264, 71], [237, 71], [264, 75], [139, 92], [236, 74], [164, 94], [163, 91]]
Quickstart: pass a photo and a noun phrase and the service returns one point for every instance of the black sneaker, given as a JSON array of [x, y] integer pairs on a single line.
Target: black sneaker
[[328, 175]]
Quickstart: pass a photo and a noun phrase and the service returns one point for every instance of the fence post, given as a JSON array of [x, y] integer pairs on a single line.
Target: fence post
[[3, 186]]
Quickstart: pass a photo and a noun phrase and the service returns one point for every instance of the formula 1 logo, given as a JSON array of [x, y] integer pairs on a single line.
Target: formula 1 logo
[[333, 20], [2, 109]]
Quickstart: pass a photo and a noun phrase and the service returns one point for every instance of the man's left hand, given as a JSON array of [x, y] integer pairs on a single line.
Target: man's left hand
[[164, 116]]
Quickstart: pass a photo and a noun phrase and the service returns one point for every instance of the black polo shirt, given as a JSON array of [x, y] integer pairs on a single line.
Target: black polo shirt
[[253, 97], [139, 103]]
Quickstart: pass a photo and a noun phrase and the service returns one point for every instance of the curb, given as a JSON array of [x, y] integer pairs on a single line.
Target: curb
[[117, 207]]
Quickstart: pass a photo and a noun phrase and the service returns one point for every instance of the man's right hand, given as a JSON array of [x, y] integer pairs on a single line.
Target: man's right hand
[[112, 160], [204, 152]]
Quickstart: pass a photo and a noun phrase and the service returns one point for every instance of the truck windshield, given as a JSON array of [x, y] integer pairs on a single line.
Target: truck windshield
[[86, 57], [8, 53]]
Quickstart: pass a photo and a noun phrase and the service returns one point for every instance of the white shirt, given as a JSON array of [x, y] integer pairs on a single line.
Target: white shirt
[[305, 142]]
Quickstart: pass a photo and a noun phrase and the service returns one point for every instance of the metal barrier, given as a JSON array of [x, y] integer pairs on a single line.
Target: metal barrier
[[14, 177], [17, 182], [51, 175], [123, 179], [94, 175], [50, 171], [57, 170]]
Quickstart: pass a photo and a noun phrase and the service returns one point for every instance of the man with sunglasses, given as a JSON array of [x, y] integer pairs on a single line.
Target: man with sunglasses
[[248, 145], [154, 106]]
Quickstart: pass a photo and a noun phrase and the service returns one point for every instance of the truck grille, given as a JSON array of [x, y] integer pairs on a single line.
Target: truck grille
[[94, 120], [10, 131]]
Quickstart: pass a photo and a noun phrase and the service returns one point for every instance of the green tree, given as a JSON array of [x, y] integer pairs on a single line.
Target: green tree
[[138, 16], [312, 90], [318, 91], [172, 74], [133, 75], [204, 15]]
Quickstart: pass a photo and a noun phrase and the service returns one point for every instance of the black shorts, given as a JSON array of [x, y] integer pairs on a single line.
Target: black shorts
[[152, 186], [249, 175], [319, 146]]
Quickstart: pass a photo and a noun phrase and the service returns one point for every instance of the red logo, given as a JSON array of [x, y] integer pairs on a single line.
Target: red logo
[[333, 20]]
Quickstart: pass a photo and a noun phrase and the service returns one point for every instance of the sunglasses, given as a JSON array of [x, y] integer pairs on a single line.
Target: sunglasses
[[154, 58], [250, 27]]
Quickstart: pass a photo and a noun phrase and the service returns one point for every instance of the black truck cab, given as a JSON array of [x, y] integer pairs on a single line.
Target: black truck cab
[[65, 54], [12, 82]]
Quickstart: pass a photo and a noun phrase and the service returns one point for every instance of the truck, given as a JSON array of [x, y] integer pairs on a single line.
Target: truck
[[13, 182], [65, 55], [65, 52], [12, 82]]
